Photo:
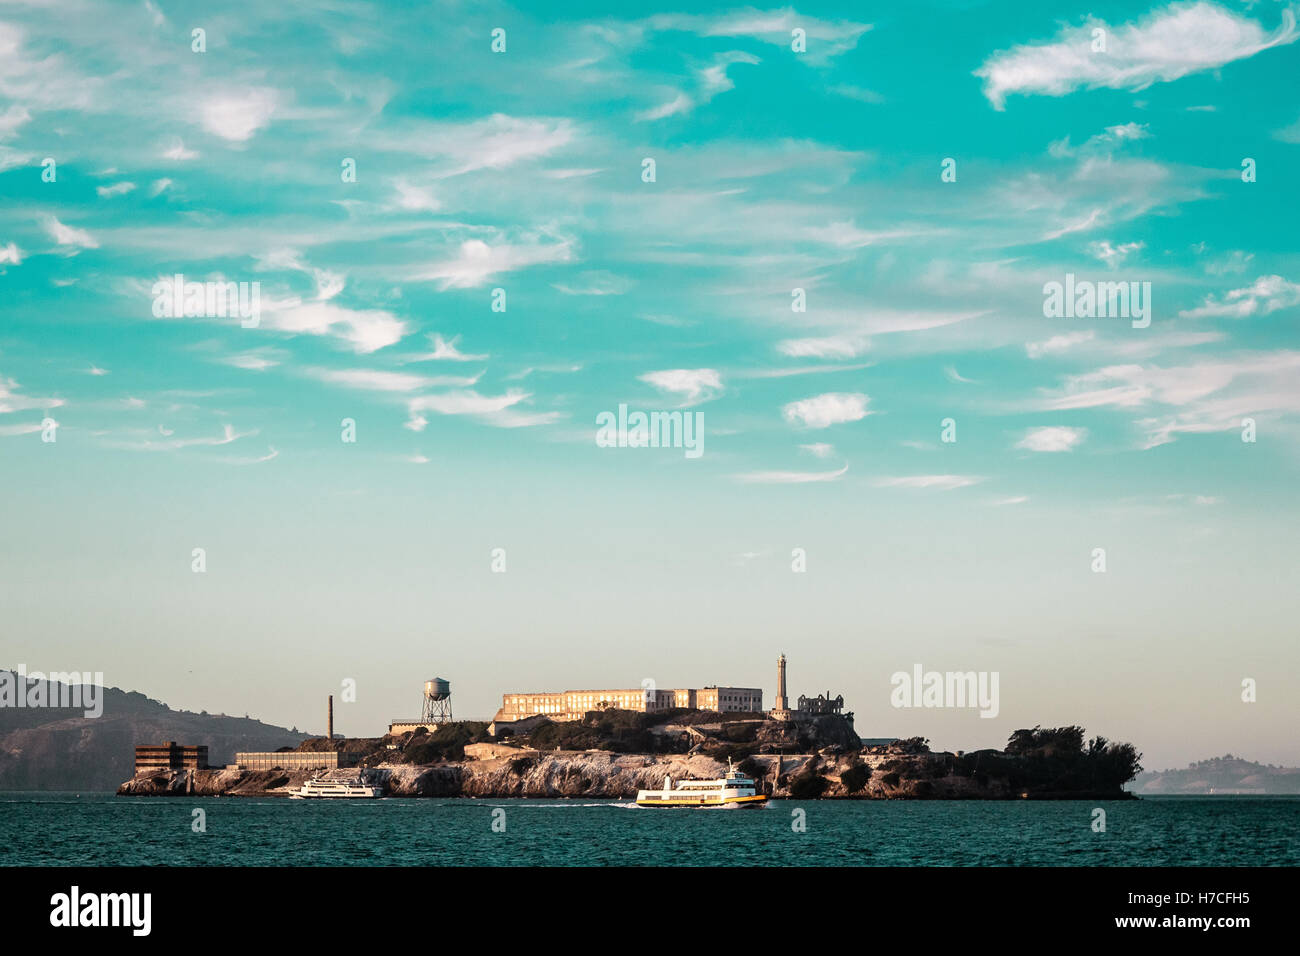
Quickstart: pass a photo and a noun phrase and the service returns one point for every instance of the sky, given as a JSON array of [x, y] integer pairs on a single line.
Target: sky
[[840, 265]]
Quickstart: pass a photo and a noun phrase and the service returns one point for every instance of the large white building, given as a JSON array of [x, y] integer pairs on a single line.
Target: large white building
[[574, 704]]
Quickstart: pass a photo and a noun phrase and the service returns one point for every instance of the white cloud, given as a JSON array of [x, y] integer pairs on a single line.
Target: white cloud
[[848, 345], [444, 351], [710, 81], [379, 380], [1103, 143], [1112, 255], [146, 442], [1205, 397], [236, 116], [256, 360], [1168, 44], [176, 151], [495, 142], [822, 411], [861, 94], [1058, 343], [366, 330], [679, 104], [693, 385], [826, 38], [11, 255], [11, 401], [846, 235], [69, 235], [596, 282], [819, 449], [11, 119], [415, 198], [271, 453], [1078, 225], [942, 482], [790, 477], [1052, 438], [1266, 295], [714, 79], [855, 330], [117, 189], [496, 410], [1234, 263], [478, 262], [10, 431]]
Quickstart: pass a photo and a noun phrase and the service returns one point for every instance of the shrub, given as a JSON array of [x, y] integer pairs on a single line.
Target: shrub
[[808, 786], [856, 777]]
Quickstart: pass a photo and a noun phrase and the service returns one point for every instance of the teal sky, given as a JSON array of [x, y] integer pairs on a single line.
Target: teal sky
[[775, 170]]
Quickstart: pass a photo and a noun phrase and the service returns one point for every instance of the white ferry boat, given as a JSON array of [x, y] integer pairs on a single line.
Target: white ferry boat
[[735, 789], [332, 787]]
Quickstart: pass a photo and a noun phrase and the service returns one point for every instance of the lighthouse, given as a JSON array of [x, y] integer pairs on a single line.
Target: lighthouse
[[782, 709]]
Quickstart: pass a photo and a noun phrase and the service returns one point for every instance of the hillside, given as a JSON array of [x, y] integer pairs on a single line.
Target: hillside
[[59, 749], [1226, 774]]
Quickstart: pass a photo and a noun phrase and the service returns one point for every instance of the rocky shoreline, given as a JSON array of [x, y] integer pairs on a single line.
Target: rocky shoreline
[[874, 774]]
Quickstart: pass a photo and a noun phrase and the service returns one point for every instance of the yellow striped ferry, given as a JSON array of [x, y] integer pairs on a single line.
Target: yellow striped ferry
[[735, 789]]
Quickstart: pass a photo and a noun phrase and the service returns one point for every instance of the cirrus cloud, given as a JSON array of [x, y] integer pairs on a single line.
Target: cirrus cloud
[[1182, 38], [694, 385]]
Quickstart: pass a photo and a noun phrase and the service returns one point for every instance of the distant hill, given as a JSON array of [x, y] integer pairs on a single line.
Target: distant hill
[[53, 748], [1226, 774]]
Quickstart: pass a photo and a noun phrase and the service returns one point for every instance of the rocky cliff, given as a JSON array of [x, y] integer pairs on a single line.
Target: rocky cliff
[[877, 774]]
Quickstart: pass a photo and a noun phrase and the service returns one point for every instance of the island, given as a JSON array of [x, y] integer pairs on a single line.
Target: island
[[614, 753]]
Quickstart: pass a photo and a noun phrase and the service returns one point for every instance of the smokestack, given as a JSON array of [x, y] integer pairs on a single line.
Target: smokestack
[[330, 732]]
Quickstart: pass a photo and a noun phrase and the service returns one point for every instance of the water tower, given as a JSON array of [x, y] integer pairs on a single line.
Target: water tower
[[437, 701]]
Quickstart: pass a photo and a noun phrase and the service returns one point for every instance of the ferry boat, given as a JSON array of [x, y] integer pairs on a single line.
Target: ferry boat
[[330, 787], [735, 789]]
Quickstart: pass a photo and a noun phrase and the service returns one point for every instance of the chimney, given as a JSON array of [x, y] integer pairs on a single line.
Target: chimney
[[329, 733]]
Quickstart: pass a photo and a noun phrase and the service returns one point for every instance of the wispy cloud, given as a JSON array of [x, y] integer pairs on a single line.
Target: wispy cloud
[[790, 477], [942, 482], [69, 235], [691, 385], [447, 351], [477, 261], [496, 410], [1264, 296], [1170, 43], [379, 380]]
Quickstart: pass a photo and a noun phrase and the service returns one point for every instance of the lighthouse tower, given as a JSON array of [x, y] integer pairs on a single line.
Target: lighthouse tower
[[782, 709]]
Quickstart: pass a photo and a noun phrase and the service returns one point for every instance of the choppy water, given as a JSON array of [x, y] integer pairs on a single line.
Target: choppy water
[[98, 829]]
